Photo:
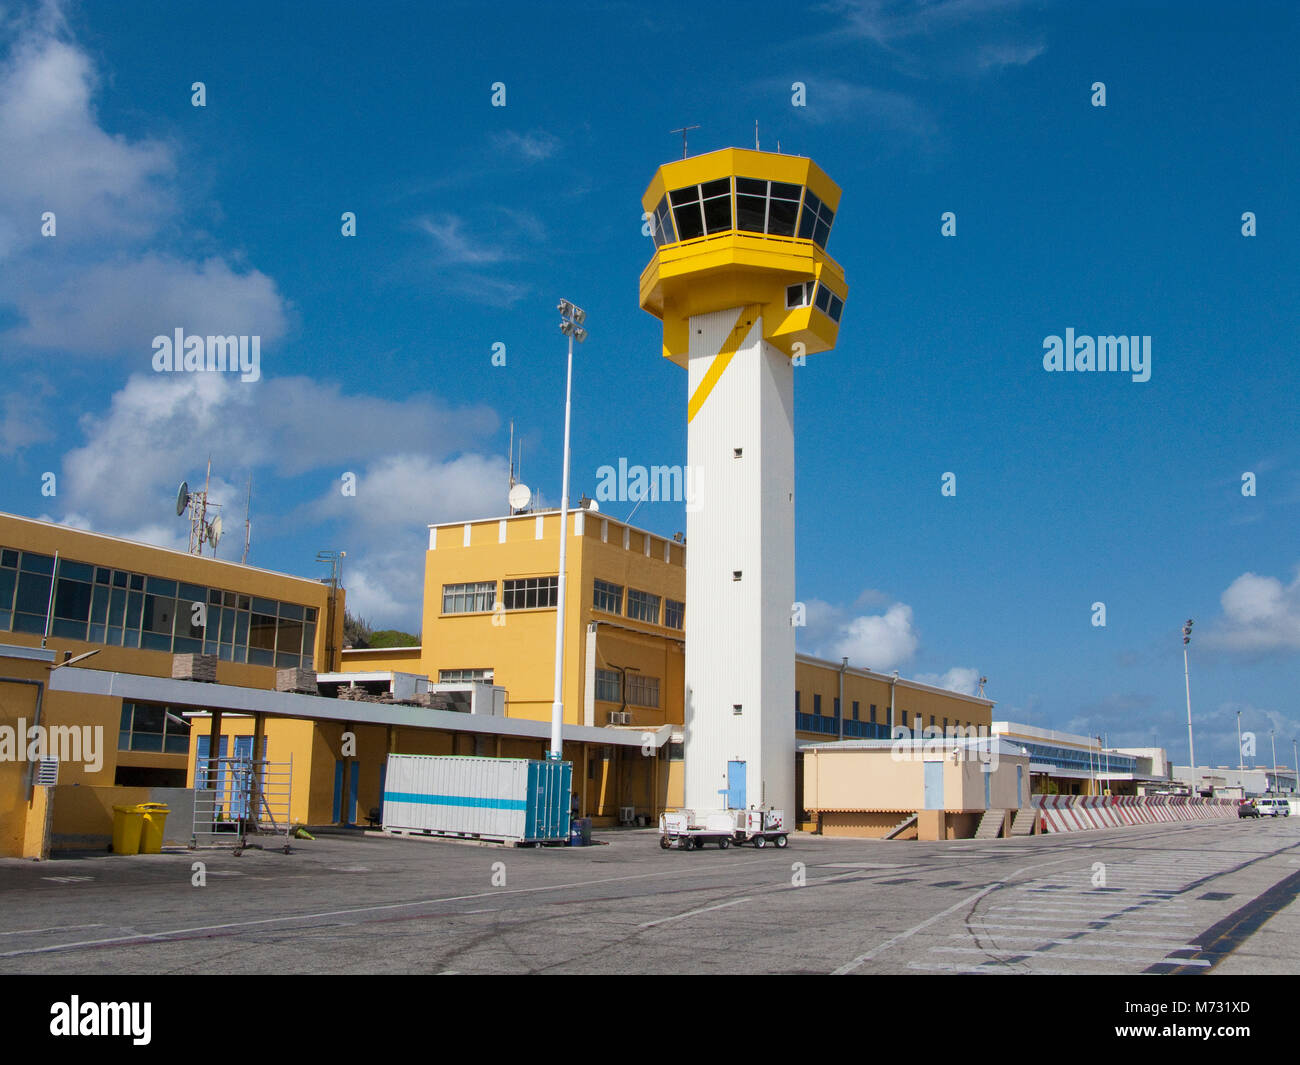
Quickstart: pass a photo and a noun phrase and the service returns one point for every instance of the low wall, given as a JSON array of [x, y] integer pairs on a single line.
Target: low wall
[[1080, 813], [860, 824], [82, 814]]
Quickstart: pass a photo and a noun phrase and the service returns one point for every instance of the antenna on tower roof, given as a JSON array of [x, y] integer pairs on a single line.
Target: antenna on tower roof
[[756, 147], [683, 131]]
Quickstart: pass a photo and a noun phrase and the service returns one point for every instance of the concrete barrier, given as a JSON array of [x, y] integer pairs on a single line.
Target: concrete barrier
[[1080, 813]]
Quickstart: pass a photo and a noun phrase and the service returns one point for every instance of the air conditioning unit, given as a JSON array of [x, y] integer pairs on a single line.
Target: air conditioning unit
[[617, 717], [627, 815]]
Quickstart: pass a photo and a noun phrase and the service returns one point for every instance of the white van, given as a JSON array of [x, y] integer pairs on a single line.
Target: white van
[[1273, 807]]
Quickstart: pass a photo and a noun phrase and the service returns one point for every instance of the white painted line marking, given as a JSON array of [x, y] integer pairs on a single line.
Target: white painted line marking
[[697, 869], [969, 900], [1052, 953], [692, 913], [1170, 945], [858, 865], [1028, 925], [55, 928]]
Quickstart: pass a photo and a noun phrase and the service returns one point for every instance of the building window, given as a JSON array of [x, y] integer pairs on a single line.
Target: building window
[[607, 597], [151, 728], [702, 209], [474, 598], [767, 206], [642, 606], [529, 593], [663, 224], [607, 686], [118, 608], [828, 303], [855, 709], [815, 222], [817, 704], [463, 676], [837, 706], [873, 713], [674, 613], [796, 700], [642, 691], [800, 295]]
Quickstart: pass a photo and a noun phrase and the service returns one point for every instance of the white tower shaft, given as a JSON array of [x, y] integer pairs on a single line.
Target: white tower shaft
[[740, 728]]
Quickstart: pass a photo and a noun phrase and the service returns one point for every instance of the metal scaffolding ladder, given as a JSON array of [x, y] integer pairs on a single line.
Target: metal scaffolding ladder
[[239, 797]]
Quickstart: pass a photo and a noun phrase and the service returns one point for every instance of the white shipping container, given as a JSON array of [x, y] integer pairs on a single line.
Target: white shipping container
[[515, 799]]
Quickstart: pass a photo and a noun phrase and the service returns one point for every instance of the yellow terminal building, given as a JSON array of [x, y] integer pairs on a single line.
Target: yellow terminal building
[[485, 660]]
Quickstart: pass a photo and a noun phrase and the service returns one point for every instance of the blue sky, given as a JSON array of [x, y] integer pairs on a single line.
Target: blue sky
[[472, 220]]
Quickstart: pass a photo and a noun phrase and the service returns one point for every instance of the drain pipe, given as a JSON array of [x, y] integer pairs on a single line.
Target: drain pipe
[[844, 664], [892, 718], [39, 685]]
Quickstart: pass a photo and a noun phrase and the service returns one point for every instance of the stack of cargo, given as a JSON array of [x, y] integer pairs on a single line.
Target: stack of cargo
[[302, 681], [201, 668]]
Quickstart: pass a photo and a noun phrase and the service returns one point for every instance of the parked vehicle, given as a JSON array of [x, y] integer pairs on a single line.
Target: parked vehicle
[[1270, 806], [686, 830], [1246, 808]]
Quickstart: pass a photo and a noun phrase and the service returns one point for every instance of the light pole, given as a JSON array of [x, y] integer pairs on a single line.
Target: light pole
[[1271, 739], [571, 326], [1295, 769], [1191, 747], [1241, 757]]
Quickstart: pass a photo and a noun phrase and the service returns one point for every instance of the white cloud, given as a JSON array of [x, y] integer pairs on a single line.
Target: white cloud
[[958, 679], [533, 146], [120, 306], [415, 490], [881, 641], [1259, 614], [158, 427], [455, 246], [55, 157]]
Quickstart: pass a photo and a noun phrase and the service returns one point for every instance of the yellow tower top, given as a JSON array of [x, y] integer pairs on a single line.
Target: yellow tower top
[[735, 228]]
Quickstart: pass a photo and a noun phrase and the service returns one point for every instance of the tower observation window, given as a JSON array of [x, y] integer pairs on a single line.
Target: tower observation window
[[663, 224], [815, 222], [702, 209], [767, 206]]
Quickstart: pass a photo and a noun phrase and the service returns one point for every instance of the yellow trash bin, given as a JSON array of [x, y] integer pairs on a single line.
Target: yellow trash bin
[[155, 820], [128, 824]]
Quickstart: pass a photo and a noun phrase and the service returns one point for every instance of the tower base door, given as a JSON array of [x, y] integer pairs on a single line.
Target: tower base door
[[735, 785]]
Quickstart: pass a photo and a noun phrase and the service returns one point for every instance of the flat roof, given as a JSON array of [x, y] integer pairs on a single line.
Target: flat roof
[[197, 695], [532, 514], [903, 682]]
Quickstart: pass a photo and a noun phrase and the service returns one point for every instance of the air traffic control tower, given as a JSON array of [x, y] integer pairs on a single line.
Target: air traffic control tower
[[741, 280]]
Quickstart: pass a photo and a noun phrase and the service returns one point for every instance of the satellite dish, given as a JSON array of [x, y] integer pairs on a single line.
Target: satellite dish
[[182, 498], [520, 496], [214, 532]]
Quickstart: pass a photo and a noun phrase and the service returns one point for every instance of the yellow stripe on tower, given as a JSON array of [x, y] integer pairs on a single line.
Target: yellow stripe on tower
[[721, 359]]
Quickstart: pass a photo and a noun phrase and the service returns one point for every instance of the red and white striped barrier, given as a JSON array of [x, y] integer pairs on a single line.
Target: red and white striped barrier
[[1079, 813]]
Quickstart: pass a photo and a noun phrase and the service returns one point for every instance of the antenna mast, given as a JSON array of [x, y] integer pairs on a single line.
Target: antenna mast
[[248, 527], [683, 131]]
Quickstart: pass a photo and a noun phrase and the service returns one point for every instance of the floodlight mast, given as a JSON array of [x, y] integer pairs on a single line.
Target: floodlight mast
[[572, 318]]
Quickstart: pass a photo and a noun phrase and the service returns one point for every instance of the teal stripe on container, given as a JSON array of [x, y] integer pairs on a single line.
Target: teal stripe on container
[[454, 800]]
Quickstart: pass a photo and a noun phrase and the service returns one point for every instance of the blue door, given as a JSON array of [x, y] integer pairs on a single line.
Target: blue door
[[735, 785], [338, 791], [354, 777], [934, 785], [242, 778], [1020, 781], [201, 764], [988, 778]]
